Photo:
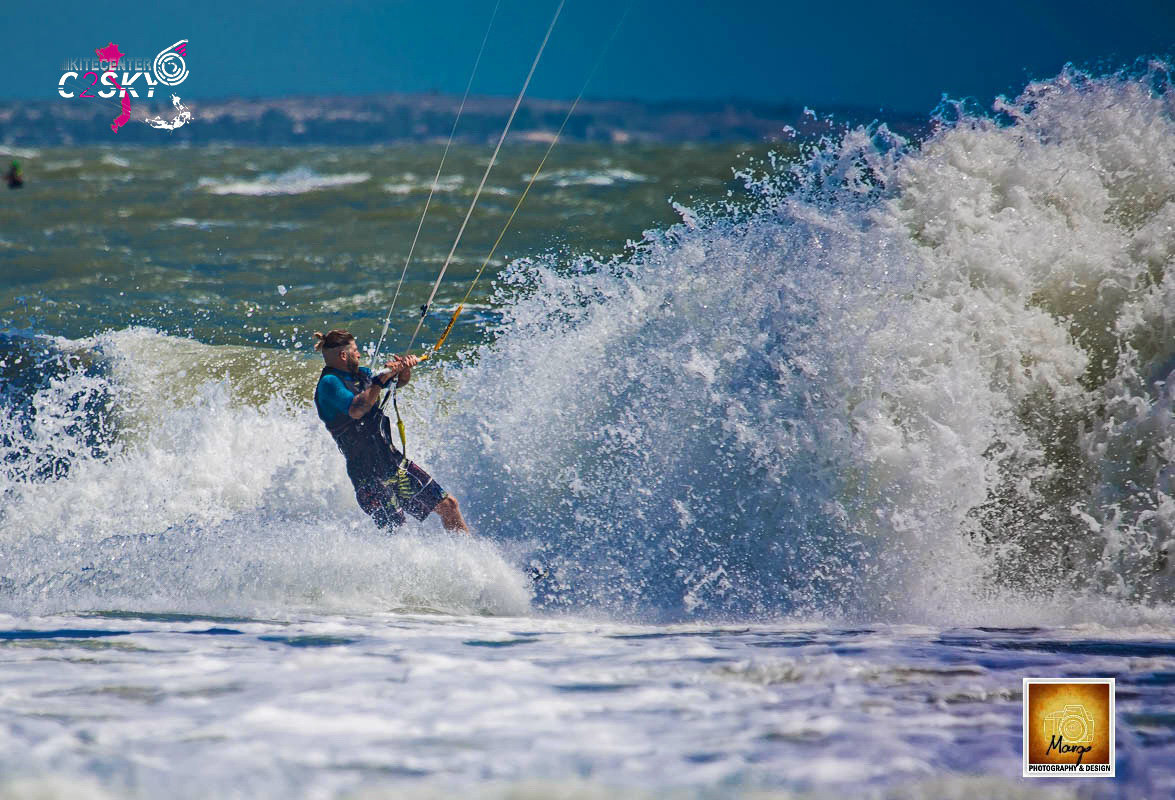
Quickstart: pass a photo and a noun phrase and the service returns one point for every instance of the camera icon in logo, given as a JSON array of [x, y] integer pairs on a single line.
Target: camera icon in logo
[[1073, 722]]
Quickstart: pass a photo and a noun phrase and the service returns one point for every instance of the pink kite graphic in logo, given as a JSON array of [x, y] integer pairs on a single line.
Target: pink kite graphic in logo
[[110, 54]]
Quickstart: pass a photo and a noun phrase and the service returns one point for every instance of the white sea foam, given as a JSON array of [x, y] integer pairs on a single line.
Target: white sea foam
[[410, 183], [202, 224], [211, 503], [586, 177], [53, 166], [403, 705], [932, 381], [295, 181], [19, 152]]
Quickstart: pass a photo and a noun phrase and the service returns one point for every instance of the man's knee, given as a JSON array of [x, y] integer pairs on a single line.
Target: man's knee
[[450, 515]]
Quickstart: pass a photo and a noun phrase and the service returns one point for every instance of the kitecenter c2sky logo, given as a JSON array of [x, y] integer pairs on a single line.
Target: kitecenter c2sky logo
[[98, 79]]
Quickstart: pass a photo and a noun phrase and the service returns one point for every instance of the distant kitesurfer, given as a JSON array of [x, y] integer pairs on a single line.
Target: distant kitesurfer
[[13, 176], [387, 485]]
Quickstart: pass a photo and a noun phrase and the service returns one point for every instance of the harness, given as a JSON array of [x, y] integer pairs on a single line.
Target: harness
[[366, 443]]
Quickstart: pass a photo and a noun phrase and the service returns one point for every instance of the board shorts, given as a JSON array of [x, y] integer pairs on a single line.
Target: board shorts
[[410, 491]]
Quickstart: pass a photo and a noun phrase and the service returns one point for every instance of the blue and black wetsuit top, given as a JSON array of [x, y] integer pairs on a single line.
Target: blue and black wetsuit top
[[364, 442]]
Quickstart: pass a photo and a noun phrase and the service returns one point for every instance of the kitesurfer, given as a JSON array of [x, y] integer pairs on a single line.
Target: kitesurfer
[[14, 177], [387, 485]]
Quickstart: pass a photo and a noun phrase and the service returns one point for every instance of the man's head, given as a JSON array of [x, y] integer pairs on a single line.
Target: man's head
[[338, 349]]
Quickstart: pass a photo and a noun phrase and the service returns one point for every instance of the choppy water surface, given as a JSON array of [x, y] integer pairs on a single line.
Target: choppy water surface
[[252, 245], [402, 704], [823, 460]]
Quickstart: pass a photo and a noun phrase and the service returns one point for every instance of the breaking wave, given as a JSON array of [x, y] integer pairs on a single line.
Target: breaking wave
[[910, 380], [145, 472], [906, 381]]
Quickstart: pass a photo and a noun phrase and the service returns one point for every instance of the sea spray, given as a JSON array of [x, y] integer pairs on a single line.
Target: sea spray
[[210, 500], [905, 381], [913, 381]]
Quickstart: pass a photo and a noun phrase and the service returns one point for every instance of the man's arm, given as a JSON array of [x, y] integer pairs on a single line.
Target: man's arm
[[400, 366], [364, 401]]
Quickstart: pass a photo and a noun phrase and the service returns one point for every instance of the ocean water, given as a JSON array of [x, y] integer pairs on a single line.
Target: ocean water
[[825, 450], [253, 246]]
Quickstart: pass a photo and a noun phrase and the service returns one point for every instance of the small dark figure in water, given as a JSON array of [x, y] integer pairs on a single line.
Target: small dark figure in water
[[14, 177]]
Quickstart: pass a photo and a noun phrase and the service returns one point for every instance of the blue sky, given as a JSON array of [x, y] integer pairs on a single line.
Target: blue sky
[[886, 54]]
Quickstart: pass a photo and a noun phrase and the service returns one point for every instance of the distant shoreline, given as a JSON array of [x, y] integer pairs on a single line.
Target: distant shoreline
[[398, 118]]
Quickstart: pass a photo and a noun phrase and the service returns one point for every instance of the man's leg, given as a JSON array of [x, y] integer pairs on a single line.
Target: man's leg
[[380, 503], [450, 514], [423, 495]]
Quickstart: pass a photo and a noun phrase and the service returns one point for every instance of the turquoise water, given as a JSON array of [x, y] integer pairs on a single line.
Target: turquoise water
[[243, 245]]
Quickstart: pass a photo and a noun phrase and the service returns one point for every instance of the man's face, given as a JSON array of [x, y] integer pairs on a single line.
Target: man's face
[[345, 358], [350, 356]]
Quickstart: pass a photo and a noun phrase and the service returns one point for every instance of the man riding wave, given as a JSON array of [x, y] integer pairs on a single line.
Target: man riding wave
[[387, 485]]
